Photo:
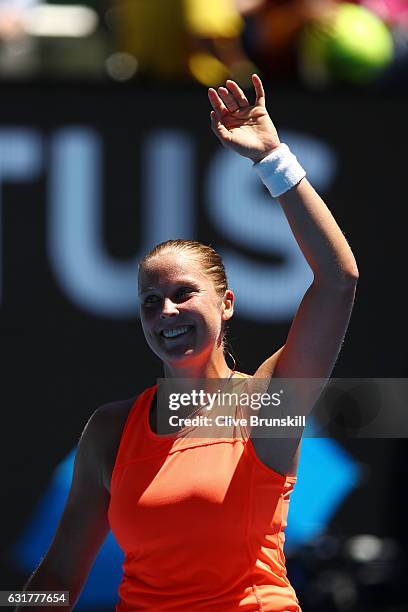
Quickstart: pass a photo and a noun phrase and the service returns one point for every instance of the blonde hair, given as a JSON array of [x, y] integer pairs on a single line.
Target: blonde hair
[[211, 261]]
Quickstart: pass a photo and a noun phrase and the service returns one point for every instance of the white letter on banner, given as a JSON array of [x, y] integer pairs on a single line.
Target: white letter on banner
[[92, 279]]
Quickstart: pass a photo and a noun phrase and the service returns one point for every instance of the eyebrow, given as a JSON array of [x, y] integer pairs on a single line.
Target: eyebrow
[[146, 290], [182, 283]]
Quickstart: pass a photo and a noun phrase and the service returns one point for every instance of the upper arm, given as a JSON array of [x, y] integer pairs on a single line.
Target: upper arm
[[313, 343], [317, 332], [84, 524], [310, 352]]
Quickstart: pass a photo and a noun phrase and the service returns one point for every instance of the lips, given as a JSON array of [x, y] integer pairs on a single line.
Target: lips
[[176, 332]]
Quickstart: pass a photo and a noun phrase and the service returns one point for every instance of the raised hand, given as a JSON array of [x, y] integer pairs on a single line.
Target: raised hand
[[246, 129]]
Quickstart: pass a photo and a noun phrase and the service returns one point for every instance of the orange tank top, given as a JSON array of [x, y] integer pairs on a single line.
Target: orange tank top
[[201, 523]]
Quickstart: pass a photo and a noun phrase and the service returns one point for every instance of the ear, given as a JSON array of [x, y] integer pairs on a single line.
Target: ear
[[228, 305]]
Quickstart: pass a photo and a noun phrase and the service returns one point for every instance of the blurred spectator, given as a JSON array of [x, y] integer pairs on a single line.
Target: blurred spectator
[[80, 43], [54, 39], [183, 39], [352, 46], [18, 52], [390, 11], [326, 41], [12, 17], [272, 32], [395, 14], [204, 40]]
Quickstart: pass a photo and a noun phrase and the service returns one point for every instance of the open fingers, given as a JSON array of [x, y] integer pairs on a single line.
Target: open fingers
[[228, 99], [259, 90], [217, 103], [239, 96]]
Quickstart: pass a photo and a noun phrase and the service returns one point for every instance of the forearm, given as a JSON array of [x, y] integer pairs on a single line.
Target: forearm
[[250, 132], [43, 580], [318, 235]]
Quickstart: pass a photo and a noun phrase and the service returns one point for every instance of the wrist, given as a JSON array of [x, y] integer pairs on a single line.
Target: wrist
[[258, 157], [280, 170]]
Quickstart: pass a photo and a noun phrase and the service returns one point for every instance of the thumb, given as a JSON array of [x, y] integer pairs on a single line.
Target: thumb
[[219, 129]]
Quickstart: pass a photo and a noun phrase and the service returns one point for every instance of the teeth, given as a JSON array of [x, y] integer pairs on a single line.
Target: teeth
[[178, 331]]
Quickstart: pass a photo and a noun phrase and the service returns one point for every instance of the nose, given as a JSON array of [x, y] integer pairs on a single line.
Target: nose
[[169, 309]]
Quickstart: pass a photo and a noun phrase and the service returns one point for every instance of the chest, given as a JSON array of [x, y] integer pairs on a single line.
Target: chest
[[208, 491], [209, 474]]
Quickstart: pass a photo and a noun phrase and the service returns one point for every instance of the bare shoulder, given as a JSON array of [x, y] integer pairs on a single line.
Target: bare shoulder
[[115, 411], [107, 424]]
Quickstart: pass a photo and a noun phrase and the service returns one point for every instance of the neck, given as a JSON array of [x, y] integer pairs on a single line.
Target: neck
[[215, 367]]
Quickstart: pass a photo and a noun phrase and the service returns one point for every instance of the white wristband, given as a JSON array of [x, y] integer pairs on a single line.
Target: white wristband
[[280, 170]]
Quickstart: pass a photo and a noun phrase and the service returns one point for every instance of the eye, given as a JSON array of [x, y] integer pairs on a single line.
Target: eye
[[184, 292], [151, 300]]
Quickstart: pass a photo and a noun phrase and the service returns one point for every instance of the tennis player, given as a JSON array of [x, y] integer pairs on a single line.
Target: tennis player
[[201, 520]]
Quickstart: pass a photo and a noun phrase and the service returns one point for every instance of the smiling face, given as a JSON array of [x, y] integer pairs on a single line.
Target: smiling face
[[181, 312]]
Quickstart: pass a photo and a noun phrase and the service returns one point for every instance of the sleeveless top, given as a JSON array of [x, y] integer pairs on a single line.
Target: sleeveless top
[[201, 522]]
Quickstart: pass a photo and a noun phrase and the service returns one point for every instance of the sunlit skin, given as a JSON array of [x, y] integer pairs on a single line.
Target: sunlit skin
[[174, 291]]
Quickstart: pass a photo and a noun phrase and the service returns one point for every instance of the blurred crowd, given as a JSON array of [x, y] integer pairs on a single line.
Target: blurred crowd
[[316, 42], [359, 573]]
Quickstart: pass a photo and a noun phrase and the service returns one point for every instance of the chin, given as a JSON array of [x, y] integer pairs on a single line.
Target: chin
[[182, 358]]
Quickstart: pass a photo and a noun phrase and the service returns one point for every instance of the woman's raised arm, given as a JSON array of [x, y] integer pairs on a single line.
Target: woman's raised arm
[[317, 331], [322, 318]]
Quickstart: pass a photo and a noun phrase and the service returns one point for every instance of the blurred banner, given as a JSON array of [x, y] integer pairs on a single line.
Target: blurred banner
[[91, 178]]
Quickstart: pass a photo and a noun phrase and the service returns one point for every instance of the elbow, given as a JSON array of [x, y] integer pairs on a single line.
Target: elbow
[[350, 276], [347, 269], [347, 281], [342, 279], [351, 273]]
